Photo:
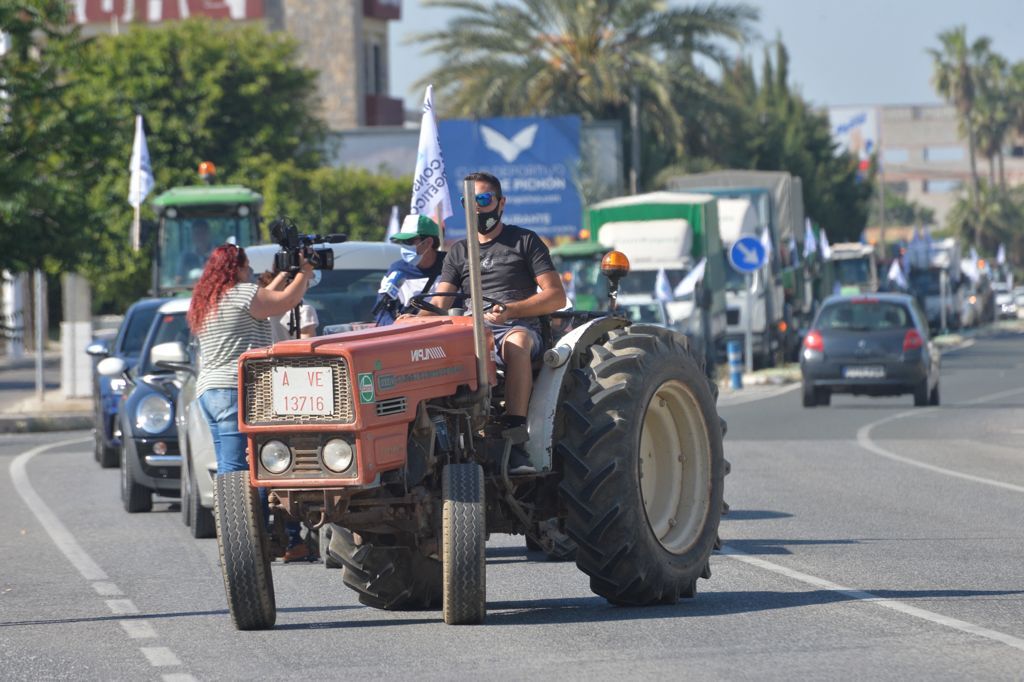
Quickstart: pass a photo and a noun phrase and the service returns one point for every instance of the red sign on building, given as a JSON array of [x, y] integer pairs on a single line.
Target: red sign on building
[[155, 11]]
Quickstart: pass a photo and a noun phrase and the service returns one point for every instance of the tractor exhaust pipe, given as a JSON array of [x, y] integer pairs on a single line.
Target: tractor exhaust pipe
[[476, 295]]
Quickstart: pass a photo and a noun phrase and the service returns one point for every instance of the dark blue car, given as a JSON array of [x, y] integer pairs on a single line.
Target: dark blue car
[[106, 391]]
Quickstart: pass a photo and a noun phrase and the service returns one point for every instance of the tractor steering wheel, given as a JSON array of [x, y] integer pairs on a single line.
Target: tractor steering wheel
[[422, 302]]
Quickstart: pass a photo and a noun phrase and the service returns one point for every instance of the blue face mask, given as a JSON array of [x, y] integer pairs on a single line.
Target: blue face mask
[[411, 256]]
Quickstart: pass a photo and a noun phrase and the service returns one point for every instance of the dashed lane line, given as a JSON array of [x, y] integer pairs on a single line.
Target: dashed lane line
[[892, 604], [158, 656], [865, 441]]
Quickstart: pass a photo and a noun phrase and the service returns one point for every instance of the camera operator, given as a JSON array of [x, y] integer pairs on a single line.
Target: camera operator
[[228, 316], [280, 327], [415, 273]]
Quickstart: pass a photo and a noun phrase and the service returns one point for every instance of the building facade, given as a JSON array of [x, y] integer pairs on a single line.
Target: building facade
[[346, 41]]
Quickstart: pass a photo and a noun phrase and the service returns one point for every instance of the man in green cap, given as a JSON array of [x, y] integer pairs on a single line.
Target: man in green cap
[[415, 273]]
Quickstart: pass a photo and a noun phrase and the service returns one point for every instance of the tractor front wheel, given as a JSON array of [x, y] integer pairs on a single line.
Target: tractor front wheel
[[464, 543]]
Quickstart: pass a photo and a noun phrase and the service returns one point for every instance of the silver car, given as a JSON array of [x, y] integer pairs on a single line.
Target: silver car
[[344, 295]]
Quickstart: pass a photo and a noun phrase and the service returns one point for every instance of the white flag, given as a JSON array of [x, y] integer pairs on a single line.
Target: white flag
[[393, 225], [430, 181], [794, 254], [896, 274], [687, 285], [766, 242], [826, 248], [662, 289], [810, 242], [1001, 254], [141, 182]]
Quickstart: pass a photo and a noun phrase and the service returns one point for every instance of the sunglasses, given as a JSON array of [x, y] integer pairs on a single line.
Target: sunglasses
[[483, 199]]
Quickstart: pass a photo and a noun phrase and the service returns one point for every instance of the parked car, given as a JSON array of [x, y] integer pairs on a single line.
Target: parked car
[[150, 461], [106, 391], [869, 345], [344, 295]]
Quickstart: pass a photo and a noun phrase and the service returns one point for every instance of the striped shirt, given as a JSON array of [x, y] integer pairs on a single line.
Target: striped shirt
[[228, 332]]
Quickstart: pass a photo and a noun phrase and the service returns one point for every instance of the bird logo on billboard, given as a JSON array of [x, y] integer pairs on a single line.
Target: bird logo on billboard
[[509, 148]]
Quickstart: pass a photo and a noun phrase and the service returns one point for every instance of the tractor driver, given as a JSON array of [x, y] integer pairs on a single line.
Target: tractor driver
[[516, 270]]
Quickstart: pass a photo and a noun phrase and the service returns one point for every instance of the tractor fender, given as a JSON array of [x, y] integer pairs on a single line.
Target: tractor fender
[[548, 385]]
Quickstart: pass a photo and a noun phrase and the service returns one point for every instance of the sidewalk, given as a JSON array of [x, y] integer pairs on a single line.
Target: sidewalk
[[20, 409]]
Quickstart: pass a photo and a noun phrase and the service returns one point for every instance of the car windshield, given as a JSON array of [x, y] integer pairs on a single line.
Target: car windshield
[[643, 281], [186, 243], [648, 313], [853, 271], [867, 315], [134, 334], [166, 328], [344, 296]]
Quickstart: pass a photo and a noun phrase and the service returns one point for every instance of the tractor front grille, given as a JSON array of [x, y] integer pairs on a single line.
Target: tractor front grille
[[259, 401]]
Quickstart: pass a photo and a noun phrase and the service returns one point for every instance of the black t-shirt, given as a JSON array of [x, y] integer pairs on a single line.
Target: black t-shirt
[[509, 264]]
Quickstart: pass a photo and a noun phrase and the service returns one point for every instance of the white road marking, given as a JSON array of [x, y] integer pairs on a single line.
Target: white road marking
[[60, 535], [860, 595], [105, 589], [865, 441], [122, 607], [159, 656], [740, 398], [65, 541], [963, 346], [137, 629]]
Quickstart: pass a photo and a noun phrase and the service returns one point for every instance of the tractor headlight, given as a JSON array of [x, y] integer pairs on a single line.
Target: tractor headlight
[[275, 457], [153, 414], [338, 455]]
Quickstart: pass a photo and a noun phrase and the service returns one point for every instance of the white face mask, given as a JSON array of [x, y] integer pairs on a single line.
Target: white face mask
[[411, 256]]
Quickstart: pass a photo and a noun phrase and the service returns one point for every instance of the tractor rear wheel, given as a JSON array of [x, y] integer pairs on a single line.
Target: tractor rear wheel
[[244, 552], [643, 467], [391, 577], [464, 541]]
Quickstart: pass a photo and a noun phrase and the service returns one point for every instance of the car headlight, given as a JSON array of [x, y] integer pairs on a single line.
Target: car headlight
[[275, 457], [153, 414], [338, 455]]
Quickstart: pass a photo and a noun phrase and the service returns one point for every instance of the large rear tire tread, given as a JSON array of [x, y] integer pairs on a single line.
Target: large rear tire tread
[[135, 498], [394, 578], [464, 540], [244, 552], [605, 409]]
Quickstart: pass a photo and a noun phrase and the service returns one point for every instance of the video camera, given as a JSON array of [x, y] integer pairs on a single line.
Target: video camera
[[294, 245]]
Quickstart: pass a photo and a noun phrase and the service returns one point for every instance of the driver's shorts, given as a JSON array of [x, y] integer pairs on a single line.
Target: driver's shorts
[[500, 331]]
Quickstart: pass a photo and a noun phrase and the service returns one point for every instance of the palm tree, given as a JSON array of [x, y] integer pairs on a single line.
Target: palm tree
[[955, 78], [992, 115], [586, 57]]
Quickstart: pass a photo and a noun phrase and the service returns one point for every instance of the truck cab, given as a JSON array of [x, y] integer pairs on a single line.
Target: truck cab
[[853, 268]]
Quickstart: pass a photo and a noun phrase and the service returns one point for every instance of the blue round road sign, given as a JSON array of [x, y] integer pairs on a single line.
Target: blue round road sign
[[747, 254]]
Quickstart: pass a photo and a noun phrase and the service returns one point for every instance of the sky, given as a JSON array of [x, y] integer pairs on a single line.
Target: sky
[[869, 52]]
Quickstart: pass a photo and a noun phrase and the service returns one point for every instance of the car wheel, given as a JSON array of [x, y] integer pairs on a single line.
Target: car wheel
[[136, 498], [823, 396], [810, 397], [921, 394], [933, 397]]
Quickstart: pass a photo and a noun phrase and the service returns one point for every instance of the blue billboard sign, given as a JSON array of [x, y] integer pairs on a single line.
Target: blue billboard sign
[[537, 161]]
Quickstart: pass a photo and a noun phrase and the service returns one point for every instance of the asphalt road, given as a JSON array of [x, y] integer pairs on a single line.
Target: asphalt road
[[867, 540]]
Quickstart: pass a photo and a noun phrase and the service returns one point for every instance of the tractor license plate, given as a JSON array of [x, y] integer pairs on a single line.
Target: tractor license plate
[[866, 372], [303, 390]]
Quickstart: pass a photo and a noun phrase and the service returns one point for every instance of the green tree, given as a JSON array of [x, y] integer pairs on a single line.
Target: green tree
[[955, 76], [42, 160], [586, 57], [207, 91], [994, 217], [992, 115]]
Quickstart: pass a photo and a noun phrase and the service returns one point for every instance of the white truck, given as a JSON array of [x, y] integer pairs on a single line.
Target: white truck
[[854, 268], [936, 281]]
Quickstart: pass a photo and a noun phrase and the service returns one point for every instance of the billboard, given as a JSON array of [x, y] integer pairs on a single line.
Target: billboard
[[537, 161], [155, 11], [855, 129]]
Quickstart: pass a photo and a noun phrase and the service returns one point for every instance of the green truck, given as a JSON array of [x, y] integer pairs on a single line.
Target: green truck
[[660, 231], [192, 220]]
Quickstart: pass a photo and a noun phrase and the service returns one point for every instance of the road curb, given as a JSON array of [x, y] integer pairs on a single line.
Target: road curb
[[35, 423]]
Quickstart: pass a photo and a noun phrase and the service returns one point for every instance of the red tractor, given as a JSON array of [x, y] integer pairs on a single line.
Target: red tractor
[[385, 440]]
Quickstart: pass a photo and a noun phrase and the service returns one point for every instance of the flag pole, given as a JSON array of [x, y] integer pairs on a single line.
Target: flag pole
[[440, 225], [137, 229]]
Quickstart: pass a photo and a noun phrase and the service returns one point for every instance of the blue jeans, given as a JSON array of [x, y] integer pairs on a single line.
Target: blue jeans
[[220, 408]]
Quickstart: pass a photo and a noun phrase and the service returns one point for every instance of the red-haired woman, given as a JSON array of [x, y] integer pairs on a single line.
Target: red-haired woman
[[229, 315]]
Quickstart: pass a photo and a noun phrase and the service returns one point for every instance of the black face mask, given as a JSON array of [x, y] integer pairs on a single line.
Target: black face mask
[[485, 222]]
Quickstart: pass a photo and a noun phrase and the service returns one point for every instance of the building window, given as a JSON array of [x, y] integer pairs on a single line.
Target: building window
[[895, 155], [940, 154], [376, 74], [942, 186]]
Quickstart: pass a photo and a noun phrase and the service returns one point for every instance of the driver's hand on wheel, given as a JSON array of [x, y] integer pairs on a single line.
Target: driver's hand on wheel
[[498, 314]]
